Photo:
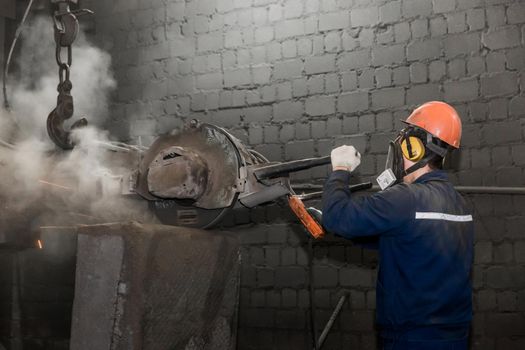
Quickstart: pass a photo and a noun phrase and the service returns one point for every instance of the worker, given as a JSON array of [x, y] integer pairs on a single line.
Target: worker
[[424, 233]]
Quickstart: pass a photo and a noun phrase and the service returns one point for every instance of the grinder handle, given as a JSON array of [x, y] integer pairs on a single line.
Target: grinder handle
[[313, 227]]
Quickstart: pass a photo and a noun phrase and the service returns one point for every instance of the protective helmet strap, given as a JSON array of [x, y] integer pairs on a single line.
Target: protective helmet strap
[[440, 151]]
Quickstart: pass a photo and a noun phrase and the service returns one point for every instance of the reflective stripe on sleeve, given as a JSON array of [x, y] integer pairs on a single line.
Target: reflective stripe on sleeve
[[442, 216]]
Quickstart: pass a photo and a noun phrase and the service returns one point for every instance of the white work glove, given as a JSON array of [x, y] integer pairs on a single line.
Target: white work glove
[[345, 158]]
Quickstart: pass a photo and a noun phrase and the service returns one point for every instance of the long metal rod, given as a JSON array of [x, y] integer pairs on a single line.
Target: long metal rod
[[281, 169], [331, 321], [490, 190], [313, 324], [462, 189]]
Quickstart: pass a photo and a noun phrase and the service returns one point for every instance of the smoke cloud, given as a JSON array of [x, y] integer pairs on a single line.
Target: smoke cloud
[[34, 94], [48, 186]]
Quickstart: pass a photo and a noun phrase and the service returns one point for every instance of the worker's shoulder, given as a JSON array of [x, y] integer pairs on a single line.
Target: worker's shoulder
[[432, 185], [413, 191], [431, 188], [436, 191], [401, 191]]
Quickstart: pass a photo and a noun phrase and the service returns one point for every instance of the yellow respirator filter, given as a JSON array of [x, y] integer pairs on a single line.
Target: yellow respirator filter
[[417, 147]]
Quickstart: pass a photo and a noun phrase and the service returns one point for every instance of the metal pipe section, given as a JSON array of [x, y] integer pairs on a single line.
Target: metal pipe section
[[331, 321], [463, 189], [313, 325], [490, 190]]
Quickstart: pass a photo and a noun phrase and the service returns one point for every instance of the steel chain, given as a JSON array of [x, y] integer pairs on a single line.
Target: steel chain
[[64, 67], [66, 30]]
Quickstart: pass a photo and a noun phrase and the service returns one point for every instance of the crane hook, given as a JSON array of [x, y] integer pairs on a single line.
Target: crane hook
[[62, 112], [66, 30]]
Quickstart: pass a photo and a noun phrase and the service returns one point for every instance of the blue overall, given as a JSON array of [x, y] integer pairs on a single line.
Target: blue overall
[[425, 240]]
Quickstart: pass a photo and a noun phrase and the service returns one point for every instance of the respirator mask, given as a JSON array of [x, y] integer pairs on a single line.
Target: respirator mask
[[417, 146], [394, 166]]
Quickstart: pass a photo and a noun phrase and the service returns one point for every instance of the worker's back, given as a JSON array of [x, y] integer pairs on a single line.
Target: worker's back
[[424, 276]]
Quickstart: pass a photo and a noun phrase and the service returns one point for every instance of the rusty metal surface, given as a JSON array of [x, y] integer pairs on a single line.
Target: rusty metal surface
[[100, 260], [213, 145], [178, 173], [169, 288]]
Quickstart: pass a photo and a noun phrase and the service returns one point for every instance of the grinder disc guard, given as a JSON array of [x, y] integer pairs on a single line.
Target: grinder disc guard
[[192, 177]]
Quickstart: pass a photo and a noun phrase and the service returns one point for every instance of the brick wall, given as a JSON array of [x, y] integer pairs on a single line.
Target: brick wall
[[274, 311], [294, 78]]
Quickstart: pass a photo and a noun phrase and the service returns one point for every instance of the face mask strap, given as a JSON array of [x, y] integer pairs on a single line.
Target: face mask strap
[[419, 164]]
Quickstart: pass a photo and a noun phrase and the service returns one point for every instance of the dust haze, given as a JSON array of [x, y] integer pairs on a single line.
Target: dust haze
[[45, 185]]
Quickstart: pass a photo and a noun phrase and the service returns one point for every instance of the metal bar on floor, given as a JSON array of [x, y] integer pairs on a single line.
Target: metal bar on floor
[[331, 321]]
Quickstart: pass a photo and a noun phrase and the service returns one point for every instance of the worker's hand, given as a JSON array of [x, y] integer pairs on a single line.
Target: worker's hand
[[316, 214], [345, 158]]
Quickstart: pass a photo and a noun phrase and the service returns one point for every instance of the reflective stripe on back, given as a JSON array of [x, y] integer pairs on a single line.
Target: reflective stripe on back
[[442, 216]]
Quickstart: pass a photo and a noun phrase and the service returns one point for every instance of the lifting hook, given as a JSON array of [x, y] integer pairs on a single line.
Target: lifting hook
[[66, 29]]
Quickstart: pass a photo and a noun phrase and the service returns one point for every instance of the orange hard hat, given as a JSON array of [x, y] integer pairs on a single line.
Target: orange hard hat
[[438, 119]]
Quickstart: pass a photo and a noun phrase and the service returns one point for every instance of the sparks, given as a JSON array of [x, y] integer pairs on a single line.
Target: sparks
[[39, 242], [55, 185]]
